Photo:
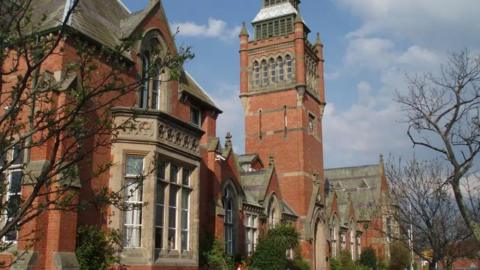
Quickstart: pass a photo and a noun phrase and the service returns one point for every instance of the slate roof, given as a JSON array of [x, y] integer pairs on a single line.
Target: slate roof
[[361, 184], [275, 11], [189, 85], [255, 183]]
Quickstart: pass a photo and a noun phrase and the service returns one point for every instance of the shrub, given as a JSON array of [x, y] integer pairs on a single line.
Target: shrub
[[335, 264], [215, 257], [346, 260], [97, 249], [272, 247], [400, 256], [368, 258]]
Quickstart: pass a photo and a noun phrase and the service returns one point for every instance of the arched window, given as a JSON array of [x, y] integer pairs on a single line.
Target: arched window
[[264, 73], [273, 71], [289, 62], [273, 213], [143, 99], [280, 67], [256, 73], [229, 221], [333, 237], [149, 97]]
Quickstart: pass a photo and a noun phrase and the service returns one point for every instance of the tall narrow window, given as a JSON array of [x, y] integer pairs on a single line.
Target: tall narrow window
[[260, 135], [228, 222], [160, 205], [283, 27], [156, 83], [272, 214], [172, 208], [185, 207], [270, 29], [251, 225], [258, 31], [264, 73], [289, 62], [289, 24], [133, 199], [256, 72], [311, 123], [273, 71], [13, 196], [285, 120], [276, 28], [143, 102], [280, 67]]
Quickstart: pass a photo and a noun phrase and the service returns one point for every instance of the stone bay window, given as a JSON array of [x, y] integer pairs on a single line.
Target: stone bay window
[[160, 161]]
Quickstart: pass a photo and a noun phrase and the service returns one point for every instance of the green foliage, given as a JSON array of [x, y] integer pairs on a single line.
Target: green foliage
[[97, 250], [215, 258], [335, 264], [298, 262], [368, 258], [346, 260], [400, 256], [272, 247]]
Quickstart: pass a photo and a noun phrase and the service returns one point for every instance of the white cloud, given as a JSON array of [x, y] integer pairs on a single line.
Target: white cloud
[[445, 23], [215, 28]]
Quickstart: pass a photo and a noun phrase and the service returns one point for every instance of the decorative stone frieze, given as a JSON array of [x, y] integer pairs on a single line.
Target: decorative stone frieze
[[157, 127]]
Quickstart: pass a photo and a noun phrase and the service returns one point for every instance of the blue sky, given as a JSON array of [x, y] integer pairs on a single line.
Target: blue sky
[[369, 47]]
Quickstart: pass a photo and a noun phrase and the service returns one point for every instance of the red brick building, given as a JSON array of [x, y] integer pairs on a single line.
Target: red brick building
[[201, 189]]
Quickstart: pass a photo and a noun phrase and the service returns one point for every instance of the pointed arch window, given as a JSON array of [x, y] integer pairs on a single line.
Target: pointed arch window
[[264, 73], [280, 68], [273, 70], [256, 73], [289, 63], [273, 213], [149, 96], [229, 220]]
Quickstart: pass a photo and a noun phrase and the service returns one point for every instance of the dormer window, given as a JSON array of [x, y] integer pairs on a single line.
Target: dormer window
[[195, 116]]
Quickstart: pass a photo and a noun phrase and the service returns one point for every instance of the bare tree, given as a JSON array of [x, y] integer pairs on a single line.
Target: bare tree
[[69, 116], [443, 113], [425, 208]]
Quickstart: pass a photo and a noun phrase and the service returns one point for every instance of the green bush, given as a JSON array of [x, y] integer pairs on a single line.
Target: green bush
[[400, 256], [215, 257], [97, 249], [335, 264], [272, 247], [346, 260], [368, 258]]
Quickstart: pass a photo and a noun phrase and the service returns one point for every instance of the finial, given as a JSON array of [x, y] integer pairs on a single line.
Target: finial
[[228, 140], [319, 40], [381, 158], [244, 31], [271, 161]]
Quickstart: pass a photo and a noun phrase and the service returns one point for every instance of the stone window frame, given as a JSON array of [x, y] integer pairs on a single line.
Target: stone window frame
[[251, 229], [183, 189], [153, 92], [15, 158], [273, 211], [272, 71], [136, 205], [231, 247]]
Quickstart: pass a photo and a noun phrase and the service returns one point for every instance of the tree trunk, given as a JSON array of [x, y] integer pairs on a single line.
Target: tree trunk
[[466, 214]]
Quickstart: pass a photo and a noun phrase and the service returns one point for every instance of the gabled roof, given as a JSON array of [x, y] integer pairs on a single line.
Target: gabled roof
[[361, 184], [190, 86], [256, 183]]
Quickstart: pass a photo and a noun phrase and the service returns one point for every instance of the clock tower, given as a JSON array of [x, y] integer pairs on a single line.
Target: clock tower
[[283, 96]]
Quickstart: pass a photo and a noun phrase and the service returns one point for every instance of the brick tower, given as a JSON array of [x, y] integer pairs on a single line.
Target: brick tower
[[282, 92]]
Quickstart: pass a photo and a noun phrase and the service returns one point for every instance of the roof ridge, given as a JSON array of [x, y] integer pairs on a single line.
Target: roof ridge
[[124, 6]]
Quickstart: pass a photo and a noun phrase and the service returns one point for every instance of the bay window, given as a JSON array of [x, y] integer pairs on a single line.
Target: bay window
[[175, 181]]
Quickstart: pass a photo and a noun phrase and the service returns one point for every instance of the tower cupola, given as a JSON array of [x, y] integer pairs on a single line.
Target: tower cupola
[[276, 18]]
